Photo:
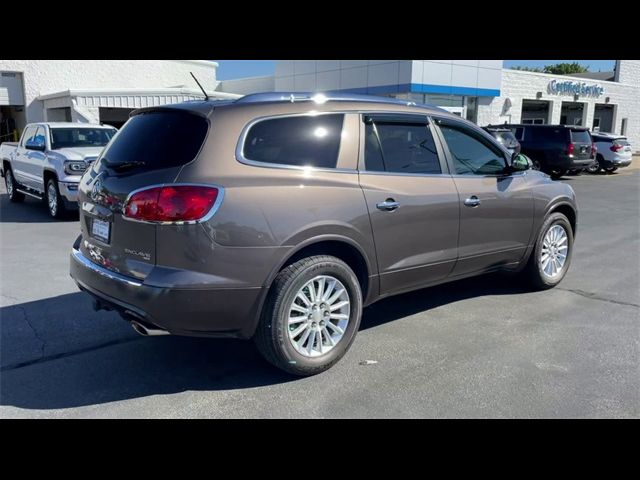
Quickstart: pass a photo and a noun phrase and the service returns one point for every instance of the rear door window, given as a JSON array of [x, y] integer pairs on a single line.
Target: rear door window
[[397, 145], [300, 141], [157, 139]]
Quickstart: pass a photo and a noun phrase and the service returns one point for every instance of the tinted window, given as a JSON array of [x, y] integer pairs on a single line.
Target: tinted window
[[580, 136], [300, 141], [549, 134], [518, 132], [506, 138], [159, 139], [471, 155], [400, 148], [80, 137]]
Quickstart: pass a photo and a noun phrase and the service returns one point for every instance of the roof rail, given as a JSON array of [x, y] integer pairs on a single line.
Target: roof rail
[[320, 98]]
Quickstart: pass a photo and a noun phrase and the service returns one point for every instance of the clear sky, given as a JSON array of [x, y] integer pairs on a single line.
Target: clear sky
[[230, 69]]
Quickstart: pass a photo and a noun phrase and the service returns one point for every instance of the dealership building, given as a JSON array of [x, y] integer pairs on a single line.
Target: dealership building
[[96, 90], [480, 90]]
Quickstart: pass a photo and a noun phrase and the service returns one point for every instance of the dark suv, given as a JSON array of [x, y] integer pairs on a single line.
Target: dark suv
[[555, 149], [280, 216]]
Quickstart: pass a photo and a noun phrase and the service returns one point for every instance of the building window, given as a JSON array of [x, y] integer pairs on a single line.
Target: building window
[[533, 121], [596, 124]]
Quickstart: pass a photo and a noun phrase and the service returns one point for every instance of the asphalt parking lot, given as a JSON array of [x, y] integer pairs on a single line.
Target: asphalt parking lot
[[483, 347]]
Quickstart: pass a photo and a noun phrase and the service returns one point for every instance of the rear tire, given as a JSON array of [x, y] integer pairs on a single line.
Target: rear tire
[[595, 167], [55, 203], [11, 184], [535, 269], [275, 336]]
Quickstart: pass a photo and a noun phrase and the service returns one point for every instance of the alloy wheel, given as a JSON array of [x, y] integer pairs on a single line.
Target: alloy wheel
[[52, 199], [555, 248], [318, 316]]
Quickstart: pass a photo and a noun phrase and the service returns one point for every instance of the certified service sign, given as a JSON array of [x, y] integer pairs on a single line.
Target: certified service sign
[[575, 88]]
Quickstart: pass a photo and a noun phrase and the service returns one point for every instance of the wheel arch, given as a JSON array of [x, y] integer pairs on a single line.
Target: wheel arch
[[568, 210]]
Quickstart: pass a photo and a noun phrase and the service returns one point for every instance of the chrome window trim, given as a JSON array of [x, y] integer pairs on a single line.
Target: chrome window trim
[[212, 211], [256, 163], [85, 262]]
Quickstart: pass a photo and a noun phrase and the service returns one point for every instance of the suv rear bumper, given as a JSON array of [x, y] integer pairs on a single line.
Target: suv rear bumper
[[216, 312], [616, 162]]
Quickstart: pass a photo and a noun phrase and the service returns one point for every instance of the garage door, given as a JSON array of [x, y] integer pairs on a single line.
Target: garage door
[[11, 88]]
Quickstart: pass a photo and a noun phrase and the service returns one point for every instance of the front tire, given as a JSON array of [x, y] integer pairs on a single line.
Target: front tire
[[10, 183], [551, 256], [55, 203], [610, 169], [311, 316]]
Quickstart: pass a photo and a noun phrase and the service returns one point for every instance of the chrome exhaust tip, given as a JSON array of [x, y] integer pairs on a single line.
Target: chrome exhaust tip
[[146, 331]]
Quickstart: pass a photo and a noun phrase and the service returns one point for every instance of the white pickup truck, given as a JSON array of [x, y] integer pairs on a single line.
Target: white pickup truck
[[49, 160]]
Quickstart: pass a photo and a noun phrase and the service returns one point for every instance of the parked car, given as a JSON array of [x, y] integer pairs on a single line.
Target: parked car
[[278, 217], [506, 138], [555, 149], [48, 161], [614, 151]]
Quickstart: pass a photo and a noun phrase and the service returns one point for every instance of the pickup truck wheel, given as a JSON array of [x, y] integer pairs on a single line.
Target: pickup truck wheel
[[551, 256], [55, 204], [10, 183], [311, 316], [610, 169]]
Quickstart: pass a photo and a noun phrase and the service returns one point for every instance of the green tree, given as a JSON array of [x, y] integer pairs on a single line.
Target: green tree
[[565, 68], [557, 69]]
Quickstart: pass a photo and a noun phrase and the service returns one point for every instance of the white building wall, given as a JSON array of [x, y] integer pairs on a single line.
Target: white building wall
[[327, 75], [519, 85], [245, 86], [43, 77]]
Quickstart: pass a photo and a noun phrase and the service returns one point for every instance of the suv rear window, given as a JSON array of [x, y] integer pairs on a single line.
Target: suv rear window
[[580, 136], [159, 139], [505, 138], [303, 141]]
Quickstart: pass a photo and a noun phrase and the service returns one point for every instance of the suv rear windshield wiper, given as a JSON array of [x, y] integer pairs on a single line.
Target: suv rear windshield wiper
[[123, 165]]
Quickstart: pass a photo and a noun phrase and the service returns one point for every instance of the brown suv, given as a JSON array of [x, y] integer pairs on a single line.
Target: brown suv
[[279, 216]]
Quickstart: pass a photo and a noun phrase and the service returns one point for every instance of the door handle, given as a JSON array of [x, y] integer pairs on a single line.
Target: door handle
[[472, 201], [389, 205]]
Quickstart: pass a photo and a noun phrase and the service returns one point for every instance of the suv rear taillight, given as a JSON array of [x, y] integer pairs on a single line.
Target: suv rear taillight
[[570, 148], [616, 147], [172, 203], [594, 150]]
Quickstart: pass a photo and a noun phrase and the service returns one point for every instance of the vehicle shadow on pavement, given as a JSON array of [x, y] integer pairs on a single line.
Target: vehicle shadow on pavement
[[58, 353], [31, 210]]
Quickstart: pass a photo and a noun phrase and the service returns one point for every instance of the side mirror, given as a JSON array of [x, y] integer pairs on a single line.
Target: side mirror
[[31, 145], [520, 162]]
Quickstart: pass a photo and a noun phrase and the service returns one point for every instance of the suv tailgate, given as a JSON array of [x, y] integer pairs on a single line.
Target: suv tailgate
[[150, 149]]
